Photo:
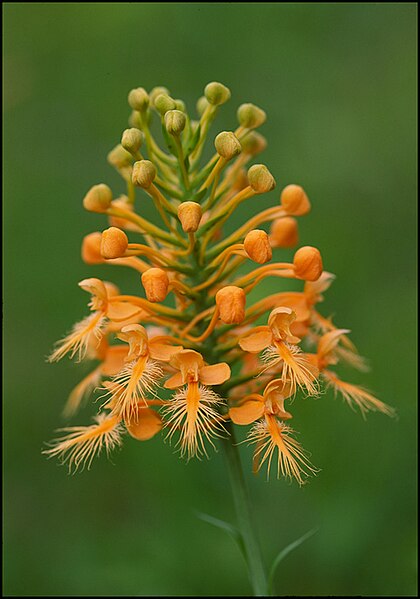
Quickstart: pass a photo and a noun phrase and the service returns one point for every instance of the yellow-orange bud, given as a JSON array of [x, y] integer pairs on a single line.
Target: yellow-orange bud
[[114, 243], [175, 121], [295, 201], [91, 248], [227, 145], [250, 116], [253, 143], [231, 303], [260, 178], [216, 93], [131, 140], [307, 263], [284, 232], [155, 282], [156, 91], [144, 173], [138, 99], [180, 105], [257, 246], [119, 157], [189, 214], [163, 103], [98, 198]]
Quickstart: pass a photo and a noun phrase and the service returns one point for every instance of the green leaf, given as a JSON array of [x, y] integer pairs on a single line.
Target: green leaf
[[284, 552], [231, 530]]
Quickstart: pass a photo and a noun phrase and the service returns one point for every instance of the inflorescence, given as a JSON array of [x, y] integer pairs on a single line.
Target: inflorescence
[[194, 333]]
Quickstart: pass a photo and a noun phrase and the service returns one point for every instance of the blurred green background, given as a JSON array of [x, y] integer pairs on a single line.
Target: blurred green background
[[338, 83]]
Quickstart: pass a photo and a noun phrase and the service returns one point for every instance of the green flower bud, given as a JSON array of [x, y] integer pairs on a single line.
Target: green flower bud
[[253, 143], [260, 178], [131, 140], [134, 119], [138, 99], [180, 105], [98, 198], [163, 103], [227, 145], [119, 157], [144, 173], [189, 214], [156, 91], [175, 122], [216, 93], [250, 116]]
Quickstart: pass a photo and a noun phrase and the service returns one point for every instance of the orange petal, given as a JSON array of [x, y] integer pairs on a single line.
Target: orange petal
[[162, 351], [328, 342], [259, 339], [147, 425], [120, 311], [114, 360], [248, 412], [174, 381], [215, 374]]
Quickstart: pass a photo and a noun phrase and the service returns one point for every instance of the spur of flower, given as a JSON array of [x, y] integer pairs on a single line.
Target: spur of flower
[[189, 355]]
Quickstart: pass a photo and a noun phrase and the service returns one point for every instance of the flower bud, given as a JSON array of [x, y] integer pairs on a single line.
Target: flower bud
[[117, 221], [257, 246], [134, 119], [250, 116], [156, 91], [307, 263], [138, 99], [131, 140], [253, 143], [180, 105], [163, 103], [295, 201], [98, 198], [175, 122], [201, 105], [227, 145], [155, 282], [284, 232], [231, 303], [189, 214], [119, 157], [216, 93], [91, 248], [260, 178], [114, 243], [144, 173]]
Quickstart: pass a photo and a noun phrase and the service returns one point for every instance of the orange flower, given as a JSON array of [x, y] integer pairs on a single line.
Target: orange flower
[[193, 410], [280, 348]]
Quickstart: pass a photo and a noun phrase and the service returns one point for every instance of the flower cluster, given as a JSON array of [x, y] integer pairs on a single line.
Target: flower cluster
[[191, 331]]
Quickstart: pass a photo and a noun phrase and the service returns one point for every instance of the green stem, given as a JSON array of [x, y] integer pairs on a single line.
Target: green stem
[[256, 567]]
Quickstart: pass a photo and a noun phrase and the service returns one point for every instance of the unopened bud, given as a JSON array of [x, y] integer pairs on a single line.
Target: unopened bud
[[253, 143], [260, 178], [216, 93], [257, 246], [250, 116], [134, 119], [144, 173], [189, 214], [227, 145], [201, 105], [98, 198], [231, 303], [114, 243], [131, 140], [163, 103], [117, 221], [284, 232], [91, 248], [175, 122], [307, 263], [295, 201], [180, 105], [155, 282], [138, 99], [119, 157], [156, 91]]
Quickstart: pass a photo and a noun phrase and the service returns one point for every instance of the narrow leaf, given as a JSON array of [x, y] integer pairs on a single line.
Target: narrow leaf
[[284, 552], [231, 530]]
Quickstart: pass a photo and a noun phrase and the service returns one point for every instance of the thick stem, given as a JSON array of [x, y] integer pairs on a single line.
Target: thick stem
[[256, 568]]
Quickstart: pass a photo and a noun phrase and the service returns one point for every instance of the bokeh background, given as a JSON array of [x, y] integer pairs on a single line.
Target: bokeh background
[[338, 83]]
